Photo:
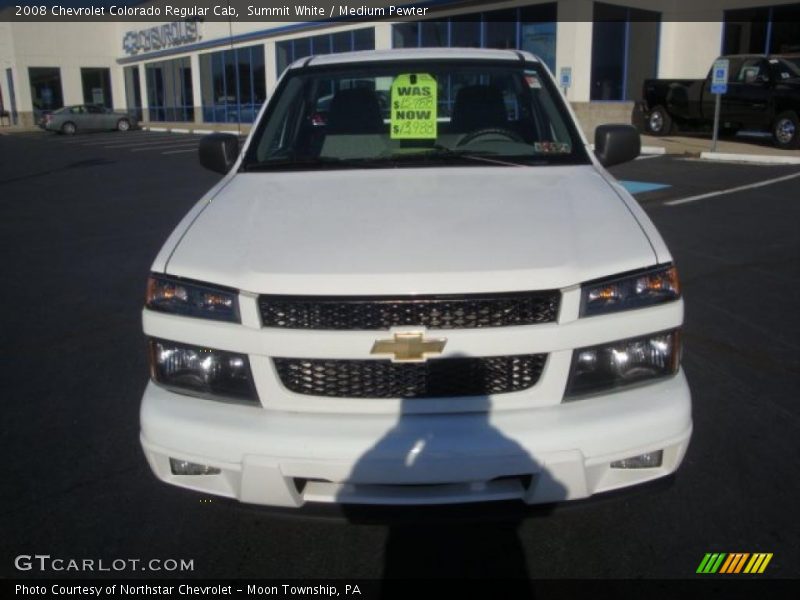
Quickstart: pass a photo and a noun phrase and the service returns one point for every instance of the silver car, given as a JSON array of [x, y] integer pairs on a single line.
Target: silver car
[[86, 117]]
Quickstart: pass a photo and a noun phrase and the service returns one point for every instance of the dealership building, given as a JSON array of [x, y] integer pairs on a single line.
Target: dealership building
[[209, 74]]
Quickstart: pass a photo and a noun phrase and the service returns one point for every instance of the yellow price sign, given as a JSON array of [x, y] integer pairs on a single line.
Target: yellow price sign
[[413, 115]]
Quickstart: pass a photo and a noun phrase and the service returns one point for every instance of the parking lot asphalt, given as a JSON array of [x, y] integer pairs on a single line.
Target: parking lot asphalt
[[82, 218]]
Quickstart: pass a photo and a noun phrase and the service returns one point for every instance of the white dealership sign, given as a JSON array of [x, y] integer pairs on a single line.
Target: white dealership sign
[[160, 37]]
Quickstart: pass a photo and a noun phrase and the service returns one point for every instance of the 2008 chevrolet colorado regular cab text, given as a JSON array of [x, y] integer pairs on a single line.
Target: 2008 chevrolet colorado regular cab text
[[415, 284]]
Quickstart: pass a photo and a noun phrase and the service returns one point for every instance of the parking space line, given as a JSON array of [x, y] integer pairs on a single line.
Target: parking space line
[[112, 144], [148, 136], [184, 145], [154, 143], [740, 188], [140, 140], [180, 151], [69, 141], [97, 140]]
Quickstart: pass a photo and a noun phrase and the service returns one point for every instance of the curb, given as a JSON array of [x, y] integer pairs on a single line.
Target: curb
[[653, 150], [764, 159], [649, 150], [191, 131]]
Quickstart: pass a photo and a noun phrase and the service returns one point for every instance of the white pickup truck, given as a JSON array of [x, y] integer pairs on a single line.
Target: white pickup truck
[[415, 284]]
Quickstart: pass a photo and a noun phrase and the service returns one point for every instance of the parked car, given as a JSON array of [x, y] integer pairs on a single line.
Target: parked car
[[86, 117], [763, 94], [415, 311]]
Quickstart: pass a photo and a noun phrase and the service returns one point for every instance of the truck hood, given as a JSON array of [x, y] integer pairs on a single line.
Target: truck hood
[[412, 231]]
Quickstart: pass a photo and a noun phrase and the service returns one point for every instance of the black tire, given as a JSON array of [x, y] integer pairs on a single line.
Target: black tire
[[69, 128], [786, 130], [658, 122], [123, 125]]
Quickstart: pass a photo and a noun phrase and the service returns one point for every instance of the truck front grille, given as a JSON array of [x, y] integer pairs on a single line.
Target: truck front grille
[[434, 312], [444, 377]]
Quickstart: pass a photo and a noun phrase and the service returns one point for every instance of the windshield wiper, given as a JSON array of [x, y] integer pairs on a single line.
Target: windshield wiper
[[433, 153], [289, 163], [482, 156]]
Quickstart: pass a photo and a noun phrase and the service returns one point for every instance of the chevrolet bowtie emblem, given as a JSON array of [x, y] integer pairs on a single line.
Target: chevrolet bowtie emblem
[[409, 347]]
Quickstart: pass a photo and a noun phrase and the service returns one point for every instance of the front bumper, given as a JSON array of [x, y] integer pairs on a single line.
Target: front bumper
[[540, 455]]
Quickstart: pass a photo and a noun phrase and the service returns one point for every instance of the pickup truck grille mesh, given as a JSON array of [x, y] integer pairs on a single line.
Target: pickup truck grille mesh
[[433, 312], [444, 377]]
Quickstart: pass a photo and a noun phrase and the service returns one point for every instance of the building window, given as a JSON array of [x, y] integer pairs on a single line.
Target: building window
[[465, 34], [537, 33], [169, 90], [405, 35], [624, 51], [500, 29], [233, 84], [767, 30], [363, 39], [784, 32], [46, 91], [531, 28], [288, 51], [97, 86], [133, 92]]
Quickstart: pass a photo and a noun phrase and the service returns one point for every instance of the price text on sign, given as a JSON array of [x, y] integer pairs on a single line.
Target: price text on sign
[[413, 107]]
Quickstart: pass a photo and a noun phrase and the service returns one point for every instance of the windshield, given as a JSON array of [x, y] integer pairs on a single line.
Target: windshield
[[787, 68], [421, 113]]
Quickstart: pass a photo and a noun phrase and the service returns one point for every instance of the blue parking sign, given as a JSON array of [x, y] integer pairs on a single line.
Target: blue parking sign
[[719, 77], [565, 77]]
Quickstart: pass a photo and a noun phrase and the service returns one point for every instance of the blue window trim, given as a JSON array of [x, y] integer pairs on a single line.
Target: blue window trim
[[625, 58], [768, 40]]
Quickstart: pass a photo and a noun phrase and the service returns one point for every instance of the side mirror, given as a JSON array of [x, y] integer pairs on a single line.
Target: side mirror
[[218, 151], [615, 144]]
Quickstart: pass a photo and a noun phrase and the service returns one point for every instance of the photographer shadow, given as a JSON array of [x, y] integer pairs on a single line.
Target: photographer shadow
[[455, 512]]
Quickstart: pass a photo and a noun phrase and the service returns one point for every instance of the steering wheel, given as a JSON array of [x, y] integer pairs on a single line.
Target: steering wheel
[[490, 131]]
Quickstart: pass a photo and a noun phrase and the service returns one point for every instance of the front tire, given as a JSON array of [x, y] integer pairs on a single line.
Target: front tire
[[786, 130], [123, 125], [69, 128], [659, 122]]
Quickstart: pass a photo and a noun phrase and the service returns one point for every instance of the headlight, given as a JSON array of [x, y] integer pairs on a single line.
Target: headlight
[[610, 366], [192, 298], [204, 372], [630, 291]]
